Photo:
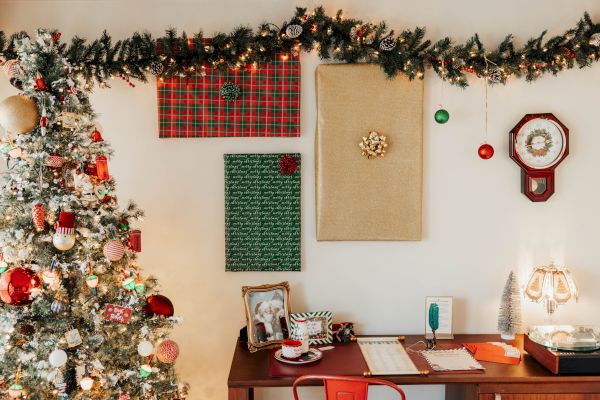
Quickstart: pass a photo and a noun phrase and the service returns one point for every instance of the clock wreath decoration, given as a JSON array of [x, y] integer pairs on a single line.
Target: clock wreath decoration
[[333, 38]]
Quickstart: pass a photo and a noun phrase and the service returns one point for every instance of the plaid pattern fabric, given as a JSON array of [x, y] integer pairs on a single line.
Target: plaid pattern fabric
[[268, 104]]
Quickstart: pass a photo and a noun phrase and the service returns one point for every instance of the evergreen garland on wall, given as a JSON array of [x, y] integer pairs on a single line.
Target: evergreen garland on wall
[[334, 38]]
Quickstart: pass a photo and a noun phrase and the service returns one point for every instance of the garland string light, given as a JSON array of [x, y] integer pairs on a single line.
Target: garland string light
[[333, 38]]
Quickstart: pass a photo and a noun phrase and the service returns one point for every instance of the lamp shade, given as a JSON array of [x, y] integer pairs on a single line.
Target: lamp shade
[[551, 284]]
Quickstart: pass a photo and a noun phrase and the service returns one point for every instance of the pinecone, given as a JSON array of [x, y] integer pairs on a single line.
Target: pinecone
[[156, 68], [293, 31], [388, 43]]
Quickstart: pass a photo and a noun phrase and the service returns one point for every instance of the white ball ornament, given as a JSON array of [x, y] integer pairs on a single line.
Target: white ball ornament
[[63, 242], [145, 348], [57, 358], [86, 383], [18, 114]]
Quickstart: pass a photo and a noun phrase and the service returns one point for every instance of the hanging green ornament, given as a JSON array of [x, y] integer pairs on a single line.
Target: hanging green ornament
[[441, 116], [145, 370], [123, 225], [140, 288], [230, 91]]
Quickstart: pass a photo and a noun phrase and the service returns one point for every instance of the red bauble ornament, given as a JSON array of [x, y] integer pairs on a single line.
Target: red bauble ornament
[[39, 216], [102, 168], [17, 286], [40, 85], [97, 136], [114, 250], [287, 165], [485, 151], [90, 169], [158, 304], [124, 396], [135, 240], [167, 351]]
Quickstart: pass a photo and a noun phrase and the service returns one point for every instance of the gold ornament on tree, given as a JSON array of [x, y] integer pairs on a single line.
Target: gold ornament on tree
[[18, 114], [374, 145]]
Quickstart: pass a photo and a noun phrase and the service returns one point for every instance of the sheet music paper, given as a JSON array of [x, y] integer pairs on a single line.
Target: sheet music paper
[[386, 356], [451, 360]]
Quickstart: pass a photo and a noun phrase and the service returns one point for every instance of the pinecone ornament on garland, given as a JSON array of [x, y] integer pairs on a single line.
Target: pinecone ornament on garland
[[230, 91], [156, 68], [495, 75], [388, 43], [293, 31]]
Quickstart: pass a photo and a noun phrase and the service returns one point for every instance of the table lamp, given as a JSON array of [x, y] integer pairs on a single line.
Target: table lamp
[[551, 286]]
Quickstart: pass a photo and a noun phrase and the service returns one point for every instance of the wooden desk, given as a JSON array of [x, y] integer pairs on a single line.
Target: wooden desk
[[526, 381]]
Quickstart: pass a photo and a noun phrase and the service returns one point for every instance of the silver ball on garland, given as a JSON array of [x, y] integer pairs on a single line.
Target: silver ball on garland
[[293, 31], [595, 40], [388, 43], [59, 305], [156, 68], [495, 75]]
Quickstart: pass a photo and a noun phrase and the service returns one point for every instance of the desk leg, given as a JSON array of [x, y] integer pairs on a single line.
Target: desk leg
[[241, 393], [462, 392]]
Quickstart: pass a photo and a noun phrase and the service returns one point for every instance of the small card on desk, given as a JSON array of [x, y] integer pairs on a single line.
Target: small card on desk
[[451, 360]]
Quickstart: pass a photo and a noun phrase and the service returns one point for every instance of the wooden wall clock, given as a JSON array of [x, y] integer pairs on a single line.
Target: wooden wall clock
[[538, 143]]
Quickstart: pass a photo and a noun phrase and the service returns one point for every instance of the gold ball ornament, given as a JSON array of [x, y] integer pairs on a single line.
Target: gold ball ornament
[[18, 114]]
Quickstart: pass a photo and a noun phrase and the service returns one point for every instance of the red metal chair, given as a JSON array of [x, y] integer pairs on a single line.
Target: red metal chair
[[345, 387]]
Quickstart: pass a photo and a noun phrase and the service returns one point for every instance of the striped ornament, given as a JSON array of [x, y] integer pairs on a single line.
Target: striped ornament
[[114, 250], [322, 318], [54, 161], [38, 215], [10, 68], [124, 396]]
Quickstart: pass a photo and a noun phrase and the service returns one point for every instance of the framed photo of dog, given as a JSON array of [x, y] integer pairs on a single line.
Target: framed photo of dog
[[267, 314]]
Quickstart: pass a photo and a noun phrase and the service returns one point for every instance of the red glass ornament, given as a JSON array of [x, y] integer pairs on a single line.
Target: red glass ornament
[[287, 165], [90, 169], [17, 286], [40, 85], [97, 136], [38, 214], [135, 240], [157, 304], [485, 151], [102, 168]]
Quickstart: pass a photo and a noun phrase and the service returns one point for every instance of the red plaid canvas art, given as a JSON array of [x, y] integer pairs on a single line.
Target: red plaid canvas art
[[248, 102]]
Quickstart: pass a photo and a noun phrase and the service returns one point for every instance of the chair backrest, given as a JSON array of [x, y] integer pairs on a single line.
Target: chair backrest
[[345, 387]]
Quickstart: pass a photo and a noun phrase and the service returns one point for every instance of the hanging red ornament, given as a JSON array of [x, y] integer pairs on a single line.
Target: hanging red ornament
[[56, 37], [135, 240], [38, 213], [114, 250], [40, 85], [90, 169], [160, 305], [485, 151], [54, 161], [167, 351], [97, 136], [64, 237], [18, 286], [124, 396], [43, 122], [287, 165], [102, 168]]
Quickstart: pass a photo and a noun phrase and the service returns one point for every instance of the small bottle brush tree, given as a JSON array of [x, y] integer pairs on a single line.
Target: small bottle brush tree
[[509, 317], [77, 319]]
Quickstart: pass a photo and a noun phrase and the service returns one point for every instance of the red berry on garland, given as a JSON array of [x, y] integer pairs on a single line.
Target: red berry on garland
[[287, 165], [39, 216], [40, 85], [157, 304], [18, 286], [167, 351], [485, 151], [56, 36]]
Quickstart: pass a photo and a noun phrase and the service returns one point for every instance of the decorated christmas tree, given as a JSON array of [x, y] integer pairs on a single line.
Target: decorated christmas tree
[[509, 317], [78, 320]]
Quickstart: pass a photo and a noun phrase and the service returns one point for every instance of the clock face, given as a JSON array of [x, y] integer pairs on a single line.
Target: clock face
[[540, 143]]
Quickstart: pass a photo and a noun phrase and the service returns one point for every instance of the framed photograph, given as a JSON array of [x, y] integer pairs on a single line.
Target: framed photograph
[[267, 314], [319, 326], [445, 306]]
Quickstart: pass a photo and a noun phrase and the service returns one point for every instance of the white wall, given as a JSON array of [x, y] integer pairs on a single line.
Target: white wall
[[477, 224]]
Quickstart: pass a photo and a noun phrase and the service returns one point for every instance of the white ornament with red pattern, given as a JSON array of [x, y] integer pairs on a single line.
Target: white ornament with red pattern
[[114, 250], [167, 351], [38, 213], [54, 161]]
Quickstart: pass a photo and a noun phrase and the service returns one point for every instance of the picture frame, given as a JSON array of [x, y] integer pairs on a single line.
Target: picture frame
[[445, 304], [320, 326], [267, 310]]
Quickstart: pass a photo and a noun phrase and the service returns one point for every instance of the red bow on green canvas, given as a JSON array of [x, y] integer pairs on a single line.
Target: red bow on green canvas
[[247, 102]]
